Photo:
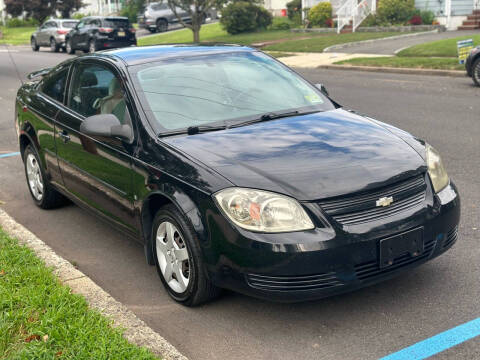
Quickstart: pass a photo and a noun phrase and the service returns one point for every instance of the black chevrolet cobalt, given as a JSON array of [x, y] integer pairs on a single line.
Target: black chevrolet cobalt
[[234, 172]]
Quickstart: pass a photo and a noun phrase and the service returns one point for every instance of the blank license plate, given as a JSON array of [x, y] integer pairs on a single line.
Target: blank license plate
[[121, 33], [410, 242]]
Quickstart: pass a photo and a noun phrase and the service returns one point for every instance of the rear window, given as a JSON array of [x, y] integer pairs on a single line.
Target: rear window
[[69, 24], [116, 23]]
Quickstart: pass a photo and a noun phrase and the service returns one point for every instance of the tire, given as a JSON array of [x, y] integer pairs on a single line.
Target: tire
[[53, 45], [162, 25], [92, 46], [43, 194], [68, 47], [184, 256], [33, 44], [476, 72]]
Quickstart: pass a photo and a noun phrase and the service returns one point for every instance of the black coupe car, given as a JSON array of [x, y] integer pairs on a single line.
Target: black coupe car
[[234, 172]]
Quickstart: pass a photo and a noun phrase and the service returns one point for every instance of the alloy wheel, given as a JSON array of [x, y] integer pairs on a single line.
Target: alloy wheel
[[34, 175], [172, 256]]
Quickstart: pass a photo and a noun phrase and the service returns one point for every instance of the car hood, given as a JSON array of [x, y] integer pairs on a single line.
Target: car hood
[[308, 157]]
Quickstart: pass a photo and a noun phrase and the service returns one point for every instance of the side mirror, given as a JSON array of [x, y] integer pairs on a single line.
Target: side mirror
[[106, 125], [322, 89]]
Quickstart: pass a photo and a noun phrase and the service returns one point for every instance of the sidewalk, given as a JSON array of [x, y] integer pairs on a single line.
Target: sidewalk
[[314, 60]]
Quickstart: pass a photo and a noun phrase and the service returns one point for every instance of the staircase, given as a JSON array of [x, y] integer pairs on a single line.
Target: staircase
[[472, 22], [351, 13]]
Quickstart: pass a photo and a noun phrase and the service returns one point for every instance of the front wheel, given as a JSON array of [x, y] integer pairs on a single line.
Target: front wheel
[[43, 194], [476, 72], [179, 260], [68, 47], [33, 44]]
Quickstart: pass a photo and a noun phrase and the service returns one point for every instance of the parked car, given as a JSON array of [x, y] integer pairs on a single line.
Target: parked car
[[99, 32], [52, 33], [234, 172], [472, 65], [158, 16]]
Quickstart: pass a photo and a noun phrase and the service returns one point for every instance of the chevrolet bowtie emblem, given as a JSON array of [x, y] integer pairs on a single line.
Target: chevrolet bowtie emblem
[[384, 201]]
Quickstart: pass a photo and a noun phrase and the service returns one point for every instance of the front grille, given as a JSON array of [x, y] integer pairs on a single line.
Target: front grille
[[362, 208], [294, 283], [372, 269], [450, 238]]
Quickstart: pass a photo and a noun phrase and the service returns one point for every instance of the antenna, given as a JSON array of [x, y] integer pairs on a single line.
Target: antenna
[[14, 63]]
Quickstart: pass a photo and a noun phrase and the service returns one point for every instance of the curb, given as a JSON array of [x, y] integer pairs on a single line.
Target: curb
[[345, 45], [451, 73], [136, 331]]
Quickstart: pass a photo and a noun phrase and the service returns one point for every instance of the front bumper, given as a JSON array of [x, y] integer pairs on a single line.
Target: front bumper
[[314, 264]]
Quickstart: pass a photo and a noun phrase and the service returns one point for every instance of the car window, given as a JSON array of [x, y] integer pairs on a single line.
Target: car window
[[69, 24], [116, 23], [96, 90], [54, 85], [81, 24], [159, 6]]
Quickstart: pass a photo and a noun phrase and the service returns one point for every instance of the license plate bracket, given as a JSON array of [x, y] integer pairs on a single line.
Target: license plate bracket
[[410, 242]]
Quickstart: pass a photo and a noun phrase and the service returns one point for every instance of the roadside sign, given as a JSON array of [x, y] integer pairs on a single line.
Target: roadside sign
[[463, 48]]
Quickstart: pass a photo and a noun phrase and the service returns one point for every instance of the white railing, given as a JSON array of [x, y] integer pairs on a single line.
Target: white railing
[[354, 12], [344, 14]]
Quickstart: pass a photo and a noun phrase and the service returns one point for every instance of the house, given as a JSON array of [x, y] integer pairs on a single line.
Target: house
[[101, 7], [462, 14]]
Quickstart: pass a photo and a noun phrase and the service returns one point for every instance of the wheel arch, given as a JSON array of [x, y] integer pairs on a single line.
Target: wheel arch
[[156, 200]]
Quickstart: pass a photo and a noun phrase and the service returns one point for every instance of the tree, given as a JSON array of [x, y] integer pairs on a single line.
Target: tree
[[197, 10], [66, 7], [38, 9]]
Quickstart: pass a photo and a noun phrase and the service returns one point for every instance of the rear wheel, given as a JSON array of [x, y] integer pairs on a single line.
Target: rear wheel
[[92, 47], [162, 25], [53, 45], [33, 43], [43, 194], [68, 47], [476, 72], [179, 260]]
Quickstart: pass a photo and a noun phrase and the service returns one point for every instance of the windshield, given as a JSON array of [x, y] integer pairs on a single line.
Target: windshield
[[221, 88], [69, 24]]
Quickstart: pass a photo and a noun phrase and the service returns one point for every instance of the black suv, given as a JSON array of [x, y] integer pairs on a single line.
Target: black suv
[[98, 32]]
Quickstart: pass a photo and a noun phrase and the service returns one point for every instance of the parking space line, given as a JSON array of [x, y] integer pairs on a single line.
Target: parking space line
[[438, 343], [9, 154]]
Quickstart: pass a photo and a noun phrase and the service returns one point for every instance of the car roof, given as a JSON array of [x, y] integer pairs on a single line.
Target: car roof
[[146, 54]]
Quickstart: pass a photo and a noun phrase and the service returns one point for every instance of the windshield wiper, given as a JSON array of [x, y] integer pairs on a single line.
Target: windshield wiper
[[269, 116], [192, 130]]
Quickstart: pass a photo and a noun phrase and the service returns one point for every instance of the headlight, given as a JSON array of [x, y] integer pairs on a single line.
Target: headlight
[[264, 211], [436, 170]]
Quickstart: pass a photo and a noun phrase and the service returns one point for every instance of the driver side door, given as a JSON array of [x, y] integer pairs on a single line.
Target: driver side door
[[97, 171]]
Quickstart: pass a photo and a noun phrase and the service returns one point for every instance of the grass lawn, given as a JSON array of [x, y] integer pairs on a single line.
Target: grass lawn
[[215, 33], [16, 36], [407, 62], [42, 319], [440, 48]]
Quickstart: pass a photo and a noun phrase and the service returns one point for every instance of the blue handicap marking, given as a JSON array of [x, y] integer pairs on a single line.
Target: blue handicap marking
[[9, 154], [438, 343]]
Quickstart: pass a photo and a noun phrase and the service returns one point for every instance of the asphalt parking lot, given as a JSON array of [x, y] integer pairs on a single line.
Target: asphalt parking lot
[[367, 324]]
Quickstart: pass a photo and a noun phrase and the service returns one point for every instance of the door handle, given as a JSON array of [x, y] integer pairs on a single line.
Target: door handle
[[64, 135]]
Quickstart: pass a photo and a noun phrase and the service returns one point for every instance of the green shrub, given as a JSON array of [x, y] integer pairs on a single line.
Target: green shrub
[[395, 12], [370, 20], [78, 16], [427, 17], [281, 23], [294, 10], [241, 16], [320, 13], [15, 22]]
